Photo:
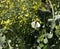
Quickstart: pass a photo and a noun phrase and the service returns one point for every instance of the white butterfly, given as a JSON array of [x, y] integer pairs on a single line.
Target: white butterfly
[[35, 24]]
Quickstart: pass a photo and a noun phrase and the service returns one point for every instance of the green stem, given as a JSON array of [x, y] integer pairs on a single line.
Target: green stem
[[52, 8], [53, 24]]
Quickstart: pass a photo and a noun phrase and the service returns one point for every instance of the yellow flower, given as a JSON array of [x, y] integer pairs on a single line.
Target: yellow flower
[[43, 8], [5, 22], [3, 1], [21, 21], [5, 27], [0, 5], [2, 22], [27, 14], [37, 19], [35, 3], [6, 6], [56, 27], [11, 5], [8, 21], [23, 7], [35, 7]]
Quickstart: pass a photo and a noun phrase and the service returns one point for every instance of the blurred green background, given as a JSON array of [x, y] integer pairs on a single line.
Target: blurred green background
[[16, 31]]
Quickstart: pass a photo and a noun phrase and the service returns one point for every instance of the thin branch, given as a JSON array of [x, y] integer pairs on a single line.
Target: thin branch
[[53, 23]]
